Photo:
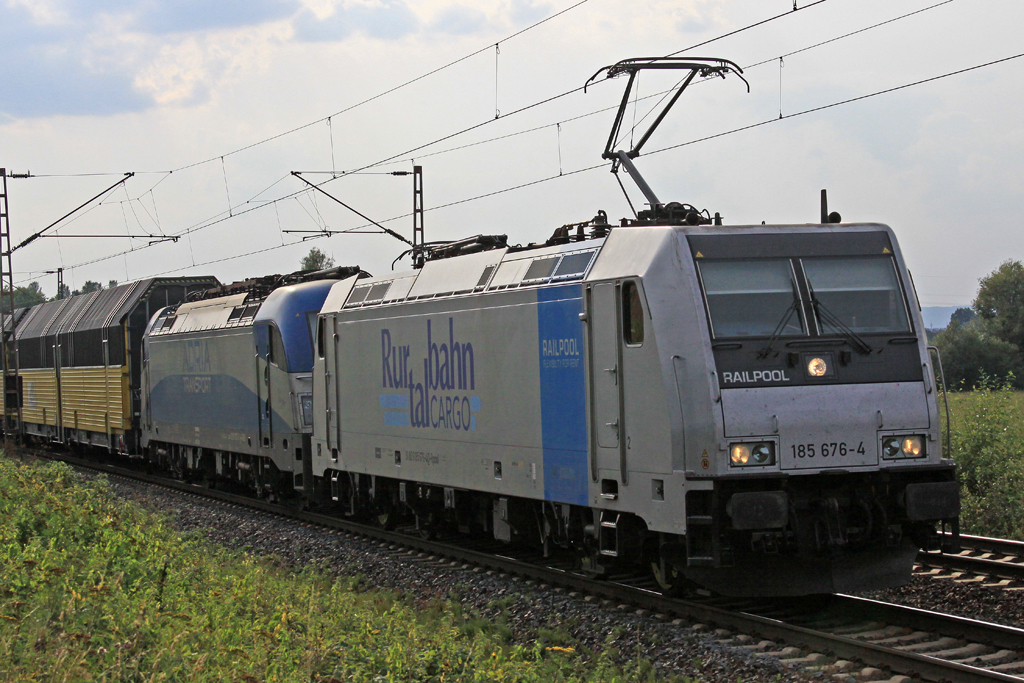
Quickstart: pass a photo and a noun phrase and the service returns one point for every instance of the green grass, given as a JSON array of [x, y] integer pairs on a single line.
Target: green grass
[[94, 588], [988, 446]]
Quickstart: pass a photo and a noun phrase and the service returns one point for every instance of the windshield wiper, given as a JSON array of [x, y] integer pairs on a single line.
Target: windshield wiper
[[770, 346], [831, 319]]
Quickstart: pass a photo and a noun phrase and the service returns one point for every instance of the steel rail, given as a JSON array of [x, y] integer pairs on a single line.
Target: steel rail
[[986, 544], [996, 568], [839, 646], [974, 630], [981, 555]]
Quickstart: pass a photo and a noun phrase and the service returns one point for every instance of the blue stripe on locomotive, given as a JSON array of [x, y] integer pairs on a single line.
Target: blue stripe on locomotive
[[563, 400], [229, 404]]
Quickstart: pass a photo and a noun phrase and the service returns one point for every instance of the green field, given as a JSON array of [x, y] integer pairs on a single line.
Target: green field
[[94, 588], [988, 446]]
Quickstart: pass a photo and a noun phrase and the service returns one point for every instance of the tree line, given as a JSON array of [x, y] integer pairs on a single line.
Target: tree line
[[986, 341]]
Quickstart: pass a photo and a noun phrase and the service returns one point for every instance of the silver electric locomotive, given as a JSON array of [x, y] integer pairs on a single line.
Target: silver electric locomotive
[[749, 408]]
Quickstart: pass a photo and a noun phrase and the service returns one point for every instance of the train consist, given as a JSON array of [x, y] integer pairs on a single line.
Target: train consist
[[752, 409], [80, 360]]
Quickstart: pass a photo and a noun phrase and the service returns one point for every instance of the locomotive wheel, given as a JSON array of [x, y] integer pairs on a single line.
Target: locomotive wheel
[[672, 583], [386, 515], [429, 525]]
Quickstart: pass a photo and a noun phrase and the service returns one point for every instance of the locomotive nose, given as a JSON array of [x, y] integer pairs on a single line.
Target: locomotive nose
[[823, 427]]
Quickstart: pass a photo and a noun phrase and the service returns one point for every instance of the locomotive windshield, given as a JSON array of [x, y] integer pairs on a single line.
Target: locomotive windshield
[[775, 297], [862, 293], [752, 298]]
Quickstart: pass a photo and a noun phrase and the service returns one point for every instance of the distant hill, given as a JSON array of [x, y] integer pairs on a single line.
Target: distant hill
[[937, 317]]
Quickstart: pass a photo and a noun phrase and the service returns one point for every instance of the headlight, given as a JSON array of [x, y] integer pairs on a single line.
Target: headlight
[[897, 447], [912, 447], [761, 454], [740, 454], [752, 454], [817, 367]]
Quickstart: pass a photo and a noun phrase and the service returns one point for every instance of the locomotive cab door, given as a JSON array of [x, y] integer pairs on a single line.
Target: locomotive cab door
[[331, 389], [264, 403], [606, 382], [58, 394]]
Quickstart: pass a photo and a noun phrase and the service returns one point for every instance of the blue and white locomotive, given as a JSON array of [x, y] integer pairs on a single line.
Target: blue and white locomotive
[[226, 382]]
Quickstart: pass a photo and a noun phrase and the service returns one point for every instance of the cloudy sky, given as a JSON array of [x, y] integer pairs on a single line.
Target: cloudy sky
[[212, 105]]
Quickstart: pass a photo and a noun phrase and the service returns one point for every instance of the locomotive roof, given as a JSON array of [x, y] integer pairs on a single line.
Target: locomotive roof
[[280, 306], [206, 314], [95, 310], [625, 252], [483, 271]]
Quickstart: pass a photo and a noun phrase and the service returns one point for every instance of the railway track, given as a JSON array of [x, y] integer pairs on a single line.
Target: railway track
[[991, 562], [837, 634]]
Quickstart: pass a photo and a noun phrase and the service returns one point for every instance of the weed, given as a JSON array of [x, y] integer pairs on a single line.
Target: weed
[[93, 588], [556, 636]]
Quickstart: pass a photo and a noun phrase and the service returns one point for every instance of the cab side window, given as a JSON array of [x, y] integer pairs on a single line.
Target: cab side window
[[276, 348], [632, 314], [320, 338]]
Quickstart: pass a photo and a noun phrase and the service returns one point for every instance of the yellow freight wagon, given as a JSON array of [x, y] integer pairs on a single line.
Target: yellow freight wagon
[[80, 361]]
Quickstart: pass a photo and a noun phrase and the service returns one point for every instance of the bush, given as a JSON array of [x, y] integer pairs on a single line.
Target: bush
[[987, 432], [970, 354]]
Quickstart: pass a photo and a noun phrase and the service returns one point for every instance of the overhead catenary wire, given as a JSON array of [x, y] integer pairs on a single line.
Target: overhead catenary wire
[[228, 258], [330, 132], [851, 33], [536, 24], [221, 217], [656, 151], [665, 93], [411, 81], [840, 103], [346, 109], [390, 90], [571, 91], [702, 139], [328, 118], [84, 204], [746, 28], [594, 167], [780, 59], [415, 80]]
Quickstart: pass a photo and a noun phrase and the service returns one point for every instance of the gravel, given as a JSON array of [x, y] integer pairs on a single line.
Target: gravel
[[528, 611], [965, 599]]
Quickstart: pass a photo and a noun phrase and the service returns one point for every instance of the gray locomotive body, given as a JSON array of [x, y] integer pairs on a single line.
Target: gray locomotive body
[[749, 408]]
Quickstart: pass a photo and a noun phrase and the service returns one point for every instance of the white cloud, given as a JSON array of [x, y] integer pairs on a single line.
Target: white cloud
[[186, 71], [528, 11], [459, 20], [333, 22], [45, 12]]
